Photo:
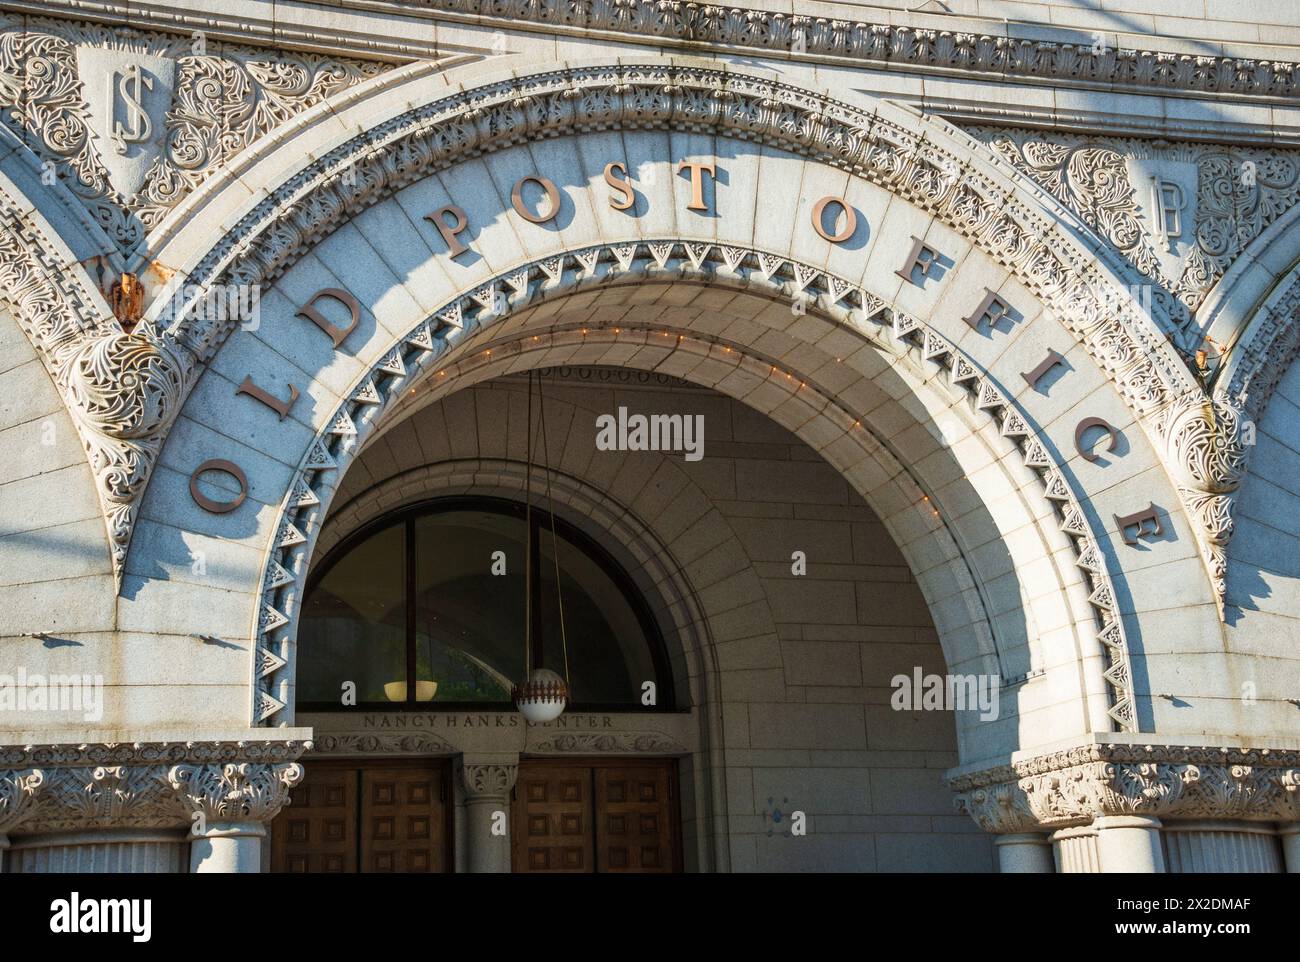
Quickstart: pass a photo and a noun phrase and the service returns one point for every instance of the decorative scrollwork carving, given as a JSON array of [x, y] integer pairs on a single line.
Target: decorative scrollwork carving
[[1167, 781], [234, 792], [490, 780], [103, 796], [223, 102], [17, 788], [1207, 446], [577, 743]]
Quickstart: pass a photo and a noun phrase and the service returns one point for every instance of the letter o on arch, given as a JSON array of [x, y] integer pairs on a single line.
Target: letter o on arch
[[228, 467], [552, 198], [819, 220]]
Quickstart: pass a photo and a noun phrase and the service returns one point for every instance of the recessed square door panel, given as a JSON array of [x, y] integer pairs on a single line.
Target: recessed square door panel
[[316, 831], [373, 818], [570, 817], [635, 832], [551, 819], [401, 805]]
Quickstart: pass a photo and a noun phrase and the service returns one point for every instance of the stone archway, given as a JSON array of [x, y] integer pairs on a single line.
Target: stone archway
[[971, 299], [1120, 361]]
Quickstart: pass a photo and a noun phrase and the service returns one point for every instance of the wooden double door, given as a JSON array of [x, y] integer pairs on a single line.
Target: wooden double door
[[345, 817], [598, 816]]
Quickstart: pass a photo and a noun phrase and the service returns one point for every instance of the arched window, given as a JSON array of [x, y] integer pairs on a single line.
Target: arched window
[[426, 607]]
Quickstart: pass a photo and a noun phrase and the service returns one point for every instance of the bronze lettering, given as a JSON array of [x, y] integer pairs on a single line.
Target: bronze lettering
[[336, 334], [619, 184], [1083, 426], [218, 507], [1138, 522], [270, 400], [991, 309], [552, 196], [1036, 375], [921, 256], [697, 169], [819, 225], [450, 231]]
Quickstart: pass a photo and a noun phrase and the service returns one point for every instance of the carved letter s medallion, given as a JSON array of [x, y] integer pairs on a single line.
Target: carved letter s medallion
[[126, 116]]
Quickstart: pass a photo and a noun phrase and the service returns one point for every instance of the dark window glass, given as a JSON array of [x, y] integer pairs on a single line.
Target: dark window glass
[[354, 624], [420, 595], [609, 659], [469, 622]]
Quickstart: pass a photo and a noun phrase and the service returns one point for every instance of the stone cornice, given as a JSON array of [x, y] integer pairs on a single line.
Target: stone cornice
[[149, 753], [967, 48], [58, 788], [1077, 784]]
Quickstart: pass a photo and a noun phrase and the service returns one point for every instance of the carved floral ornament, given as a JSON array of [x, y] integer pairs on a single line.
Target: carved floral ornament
[[927, 168], [145, 785], [1235, 194], [1168, 782], [199, 103]]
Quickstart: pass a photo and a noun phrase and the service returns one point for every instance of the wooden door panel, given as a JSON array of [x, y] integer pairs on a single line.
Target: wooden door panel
[[402, 818], [389, 817], [635, 823], [552, 819], [576, 817], [316, 831]]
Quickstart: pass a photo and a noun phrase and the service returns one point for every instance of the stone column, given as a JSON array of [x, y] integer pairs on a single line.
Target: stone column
[[487, 812], [230, 806], [17, 788], [1289, 832], [1024, 852], [1129, 843]]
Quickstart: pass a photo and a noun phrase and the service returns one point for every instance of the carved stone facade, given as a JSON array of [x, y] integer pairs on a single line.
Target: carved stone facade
[[1075, 787], [155, 786], [360, 194]]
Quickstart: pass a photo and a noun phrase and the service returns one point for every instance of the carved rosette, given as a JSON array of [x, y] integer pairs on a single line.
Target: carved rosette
[[1206, 451], [1077, 786], [237, 792], [489, 781]]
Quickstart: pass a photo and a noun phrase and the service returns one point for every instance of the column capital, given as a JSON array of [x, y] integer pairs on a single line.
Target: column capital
[[17, 789], [235, 792], [1098, 779], [488, 777]]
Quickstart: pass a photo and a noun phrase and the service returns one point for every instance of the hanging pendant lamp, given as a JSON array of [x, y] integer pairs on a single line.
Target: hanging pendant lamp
[[543, 694]]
